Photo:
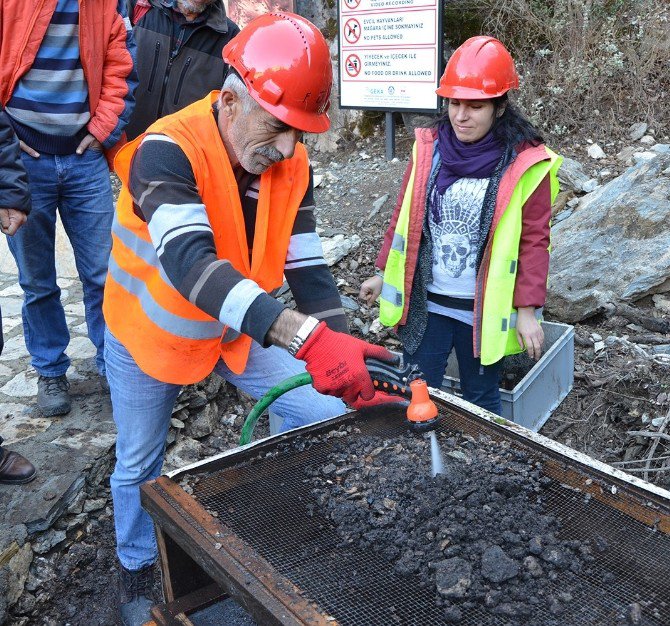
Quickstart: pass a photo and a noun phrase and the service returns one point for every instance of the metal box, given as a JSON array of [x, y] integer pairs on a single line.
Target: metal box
[[539, 387]]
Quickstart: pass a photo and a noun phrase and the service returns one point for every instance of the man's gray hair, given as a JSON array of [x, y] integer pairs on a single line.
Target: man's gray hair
[[237, 86]]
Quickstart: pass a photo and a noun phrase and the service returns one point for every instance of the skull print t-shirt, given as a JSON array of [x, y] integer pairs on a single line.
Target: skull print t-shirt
[[454, 226]]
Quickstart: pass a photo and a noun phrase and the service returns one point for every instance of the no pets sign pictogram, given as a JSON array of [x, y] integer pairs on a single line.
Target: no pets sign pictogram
[[352, 30]]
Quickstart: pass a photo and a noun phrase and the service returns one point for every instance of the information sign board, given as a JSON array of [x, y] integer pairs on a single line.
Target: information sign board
[[390, 53]]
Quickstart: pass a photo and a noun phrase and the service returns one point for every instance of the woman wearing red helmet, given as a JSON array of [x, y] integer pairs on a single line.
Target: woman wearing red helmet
[[465, 260]]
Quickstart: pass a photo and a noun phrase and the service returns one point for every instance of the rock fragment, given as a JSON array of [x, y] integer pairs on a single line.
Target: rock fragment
[[596, 152], [497, 566], [453, 577], [637, 130]]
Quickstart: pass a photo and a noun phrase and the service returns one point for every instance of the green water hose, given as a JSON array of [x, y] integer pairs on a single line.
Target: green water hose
[[267, 400]]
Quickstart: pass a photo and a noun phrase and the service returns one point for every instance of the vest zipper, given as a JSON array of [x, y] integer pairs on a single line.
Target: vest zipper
[[154, 67], [181, 81]]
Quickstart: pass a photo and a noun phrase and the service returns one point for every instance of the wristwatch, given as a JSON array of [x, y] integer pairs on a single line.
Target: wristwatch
[[301, 336]]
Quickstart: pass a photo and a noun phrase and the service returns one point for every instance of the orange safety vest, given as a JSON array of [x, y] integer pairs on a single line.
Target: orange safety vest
[[171, 339]]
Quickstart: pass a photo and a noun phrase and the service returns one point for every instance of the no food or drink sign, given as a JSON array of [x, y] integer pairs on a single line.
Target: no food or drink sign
[[389, 54]]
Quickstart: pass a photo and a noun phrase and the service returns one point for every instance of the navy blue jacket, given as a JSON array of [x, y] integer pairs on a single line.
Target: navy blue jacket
[[14, 193]]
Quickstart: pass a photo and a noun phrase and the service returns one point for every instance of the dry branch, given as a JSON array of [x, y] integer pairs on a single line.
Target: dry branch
[[646, 433], [636, 316], [654, 445]]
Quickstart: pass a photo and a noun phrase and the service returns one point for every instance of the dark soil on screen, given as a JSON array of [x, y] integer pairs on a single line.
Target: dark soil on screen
[[479, 535]]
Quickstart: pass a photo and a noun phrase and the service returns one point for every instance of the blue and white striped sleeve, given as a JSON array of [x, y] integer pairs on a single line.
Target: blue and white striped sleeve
[[306, 271]]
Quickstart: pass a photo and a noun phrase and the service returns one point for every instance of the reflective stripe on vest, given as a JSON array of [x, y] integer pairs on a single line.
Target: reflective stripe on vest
[[169, 337], [139, 246], [498, 320], [398, 243], [391, 294], [188, 329], [392, 297]]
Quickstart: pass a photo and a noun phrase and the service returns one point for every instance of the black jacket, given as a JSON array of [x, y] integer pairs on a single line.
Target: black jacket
[[14, 192], [176, 66]]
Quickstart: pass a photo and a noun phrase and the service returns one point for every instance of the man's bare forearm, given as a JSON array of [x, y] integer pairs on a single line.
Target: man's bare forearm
[[285, 328]]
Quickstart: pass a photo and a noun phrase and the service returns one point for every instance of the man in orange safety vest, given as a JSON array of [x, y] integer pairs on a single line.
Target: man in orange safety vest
[[216, 208]]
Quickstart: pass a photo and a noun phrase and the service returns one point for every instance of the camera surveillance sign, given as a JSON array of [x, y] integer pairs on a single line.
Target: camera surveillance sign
[[389, 54]]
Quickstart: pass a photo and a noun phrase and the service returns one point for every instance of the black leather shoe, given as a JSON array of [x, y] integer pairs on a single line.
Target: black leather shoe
[[14, 468], [136, 595]]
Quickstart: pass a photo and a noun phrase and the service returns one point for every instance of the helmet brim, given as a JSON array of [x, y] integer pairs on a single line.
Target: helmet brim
[[304, 121], [468, 93]]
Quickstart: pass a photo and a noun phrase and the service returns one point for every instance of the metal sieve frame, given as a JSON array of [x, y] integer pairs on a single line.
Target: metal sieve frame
[[272, 598]]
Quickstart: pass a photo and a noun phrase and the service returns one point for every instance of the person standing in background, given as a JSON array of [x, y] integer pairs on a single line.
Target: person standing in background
[[67, 82], [14, 208], [179, 60]]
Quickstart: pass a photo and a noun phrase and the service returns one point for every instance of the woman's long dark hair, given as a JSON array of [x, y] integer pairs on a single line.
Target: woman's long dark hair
[[511, 128]]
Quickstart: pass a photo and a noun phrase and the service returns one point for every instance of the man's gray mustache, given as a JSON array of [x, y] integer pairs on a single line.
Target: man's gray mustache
[[270, 153]]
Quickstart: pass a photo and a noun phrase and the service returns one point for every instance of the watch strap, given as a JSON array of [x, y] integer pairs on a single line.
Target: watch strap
[[301, 336]]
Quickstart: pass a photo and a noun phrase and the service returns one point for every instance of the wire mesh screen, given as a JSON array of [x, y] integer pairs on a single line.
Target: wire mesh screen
[[268, 503]]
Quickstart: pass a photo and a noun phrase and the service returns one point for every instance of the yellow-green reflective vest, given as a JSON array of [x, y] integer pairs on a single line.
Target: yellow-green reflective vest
[[392, 297], [498, 320]]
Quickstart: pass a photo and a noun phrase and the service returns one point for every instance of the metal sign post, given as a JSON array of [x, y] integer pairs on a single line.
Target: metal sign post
[[390, 136], [390, 53]]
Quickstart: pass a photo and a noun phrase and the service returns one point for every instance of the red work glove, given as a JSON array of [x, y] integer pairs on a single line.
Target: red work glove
[[336, 362]]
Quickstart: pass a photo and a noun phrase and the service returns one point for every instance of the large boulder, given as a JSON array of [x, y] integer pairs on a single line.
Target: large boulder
[[572, 177], [616, 246]]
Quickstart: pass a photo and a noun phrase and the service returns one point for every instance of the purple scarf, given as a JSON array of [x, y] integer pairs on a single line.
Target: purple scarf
[[465, 160]]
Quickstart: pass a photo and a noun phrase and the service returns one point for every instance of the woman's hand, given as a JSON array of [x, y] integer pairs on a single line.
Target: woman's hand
[[529, 332], [371, 289]]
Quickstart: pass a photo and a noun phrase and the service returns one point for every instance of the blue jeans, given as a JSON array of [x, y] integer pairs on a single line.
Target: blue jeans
[[142, 408], [77, 186], [479, 383]]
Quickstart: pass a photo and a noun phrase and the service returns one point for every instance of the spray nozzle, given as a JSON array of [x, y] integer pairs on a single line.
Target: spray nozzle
[[421, 412]]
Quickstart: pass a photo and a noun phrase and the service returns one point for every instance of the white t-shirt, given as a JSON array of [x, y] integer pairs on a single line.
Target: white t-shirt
[[455, 241]]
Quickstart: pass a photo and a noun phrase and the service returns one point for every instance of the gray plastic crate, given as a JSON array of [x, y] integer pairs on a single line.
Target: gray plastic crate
[[541, 385]]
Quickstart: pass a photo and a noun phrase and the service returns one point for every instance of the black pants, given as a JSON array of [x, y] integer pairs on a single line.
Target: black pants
[[479, 383]]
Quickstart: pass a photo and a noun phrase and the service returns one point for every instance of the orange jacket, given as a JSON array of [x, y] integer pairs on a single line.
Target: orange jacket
[[171, 339], [107, 50]]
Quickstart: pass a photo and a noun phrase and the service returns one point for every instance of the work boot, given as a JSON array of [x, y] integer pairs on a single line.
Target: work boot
[[136, 595], [14, 468], [52, 396]]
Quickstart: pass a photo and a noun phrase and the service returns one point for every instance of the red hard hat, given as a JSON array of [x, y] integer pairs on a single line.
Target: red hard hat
[[481, 68], [284, 61]]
